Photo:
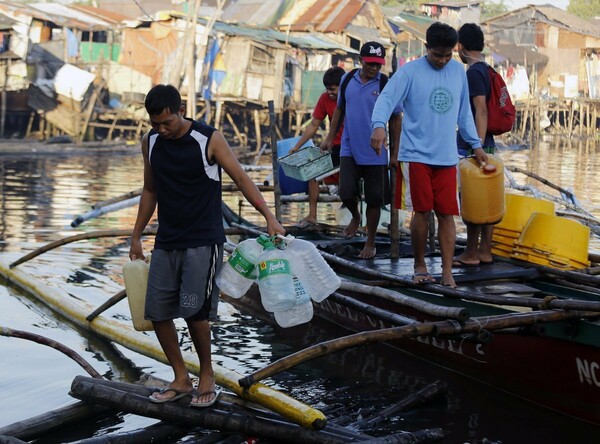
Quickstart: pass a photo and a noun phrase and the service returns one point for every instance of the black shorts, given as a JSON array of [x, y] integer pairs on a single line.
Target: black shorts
[[376, 182], [335, 155]]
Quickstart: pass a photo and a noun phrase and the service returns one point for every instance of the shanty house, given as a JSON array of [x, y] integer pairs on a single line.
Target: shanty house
[[453, 13], [410, 30], [351, 23], [570, 44]]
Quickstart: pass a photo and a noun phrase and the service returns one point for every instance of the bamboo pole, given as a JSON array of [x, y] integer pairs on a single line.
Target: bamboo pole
[[279, 431], [78, 237], [462, 294], [5, 331], [40, 425], [149, 231], [106, 305], [458, 313], [476, 296], [148, 383], [274, 160], [159, 432], [562, 190], [422, 397], [104, 210], [118, 198], [439, 328], [374, 312]]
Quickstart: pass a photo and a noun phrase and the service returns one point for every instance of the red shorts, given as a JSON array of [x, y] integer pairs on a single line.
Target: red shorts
[[421, 187]]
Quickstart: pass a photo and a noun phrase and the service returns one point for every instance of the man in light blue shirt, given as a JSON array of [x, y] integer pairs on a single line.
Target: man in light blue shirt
[[434, 94]]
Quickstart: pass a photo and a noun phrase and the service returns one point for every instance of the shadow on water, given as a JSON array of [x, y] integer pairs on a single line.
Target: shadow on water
[[42, 194]]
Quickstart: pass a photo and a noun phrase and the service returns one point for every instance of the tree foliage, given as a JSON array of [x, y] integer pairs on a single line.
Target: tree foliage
[[586, 9], [491, 9]]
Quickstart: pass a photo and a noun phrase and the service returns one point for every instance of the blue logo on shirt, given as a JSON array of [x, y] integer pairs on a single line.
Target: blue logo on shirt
[[440, 100]]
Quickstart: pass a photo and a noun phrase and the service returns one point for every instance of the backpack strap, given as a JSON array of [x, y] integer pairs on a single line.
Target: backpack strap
[[383, 79], [343, 86]]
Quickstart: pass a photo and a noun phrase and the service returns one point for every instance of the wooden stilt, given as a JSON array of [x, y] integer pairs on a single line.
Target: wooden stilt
[[241, 137], [257, 130]]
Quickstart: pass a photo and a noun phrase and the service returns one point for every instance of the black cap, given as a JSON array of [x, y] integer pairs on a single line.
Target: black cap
[[373, 52]]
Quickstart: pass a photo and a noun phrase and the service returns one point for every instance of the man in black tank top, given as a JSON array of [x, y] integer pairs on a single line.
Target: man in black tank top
[[182, 177]]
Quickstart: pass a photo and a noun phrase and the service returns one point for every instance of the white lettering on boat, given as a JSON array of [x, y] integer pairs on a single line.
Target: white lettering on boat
[[589, 372], [453, 346]]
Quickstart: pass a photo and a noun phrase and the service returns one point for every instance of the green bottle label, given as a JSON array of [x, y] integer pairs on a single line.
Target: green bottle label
[[242, 265], [271, 267]]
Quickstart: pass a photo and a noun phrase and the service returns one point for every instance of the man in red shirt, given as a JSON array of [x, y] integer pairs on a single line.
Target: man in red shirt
[[324, 108]]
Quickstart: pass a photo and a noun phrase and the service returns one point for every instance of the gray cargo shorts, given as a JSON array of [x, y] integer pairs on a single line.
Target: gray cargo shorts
[[181, 284]]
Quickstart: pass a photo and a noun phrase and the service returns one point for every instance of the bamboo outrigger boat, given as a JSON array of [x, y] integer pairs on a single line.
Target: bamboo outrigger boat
[[528, 330], [78, 311]]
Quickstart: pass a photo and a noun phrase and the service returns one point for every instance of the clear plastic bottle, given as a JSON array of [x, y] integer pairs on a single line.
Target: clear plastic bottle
[[300, 313], [310, 267], [275, 279], [239, 272]]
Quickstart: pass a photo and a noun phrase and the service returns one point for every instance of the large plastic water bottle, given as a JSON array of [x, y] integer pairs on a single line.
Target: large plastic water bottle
[[301, 312], [239, 272], [310, 267], [275, 279]]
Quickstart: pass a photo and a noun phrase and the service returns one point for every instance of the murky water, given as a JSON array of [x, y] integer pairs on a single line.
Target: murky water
[[42, 193]]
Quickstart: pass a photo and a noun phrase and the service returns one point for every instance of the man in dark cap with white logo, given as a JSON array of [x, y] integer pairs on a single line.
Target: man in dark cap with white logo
[[358, 93]]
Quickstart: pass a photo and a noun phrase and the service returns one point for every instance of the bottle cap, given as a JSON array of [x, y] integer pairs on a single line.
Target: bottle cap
[[489, 168]]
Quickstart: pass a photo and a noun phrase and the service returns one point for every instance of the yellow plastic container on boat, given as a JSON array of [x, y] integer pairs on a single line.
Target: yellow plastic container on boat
[[501, 249], [482, 190], [561, 242], [135, 275], [518, 211]]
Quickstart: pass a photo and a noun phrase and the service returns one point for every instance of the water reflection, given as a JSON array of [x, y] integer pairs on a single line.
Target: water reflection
[[41, 194]]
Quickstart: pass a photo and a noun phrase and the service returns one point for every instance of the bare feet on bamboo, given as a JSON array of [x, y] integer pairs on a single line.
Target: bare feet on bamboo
[[352, 228], [448, 280], [368, 252]]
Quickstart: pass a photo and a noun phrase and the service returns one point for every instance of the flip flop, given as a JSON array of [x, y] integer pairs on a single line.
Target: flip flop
[[178, 395], [216, 391], [461, 263], [428, 278]]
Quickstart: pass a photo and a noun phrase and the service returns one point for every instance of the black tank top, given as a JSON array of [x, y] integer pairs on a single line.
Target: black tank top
[[188, 190]]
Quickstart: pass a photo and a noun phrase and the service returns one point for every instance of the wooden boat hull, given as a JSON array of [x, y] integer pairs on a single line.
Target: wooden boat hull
[[553, 365], [550, 365]]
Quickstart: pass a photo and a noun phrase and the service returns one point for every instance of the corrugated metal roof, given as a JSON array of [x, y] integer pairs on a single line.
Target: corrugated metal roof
[[68, 15], [6, 22], [103, 14], [328, 16], [267, 36], [555, 16], [60, 15], [569, 20], [256, 12], [452, 4], [414, 24]]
